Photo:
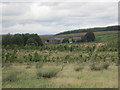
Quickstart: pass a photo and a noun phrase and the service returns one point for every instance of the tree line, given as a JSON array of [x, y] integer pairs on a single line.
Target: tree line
[[109, 28], [21, 39], [34, 39]]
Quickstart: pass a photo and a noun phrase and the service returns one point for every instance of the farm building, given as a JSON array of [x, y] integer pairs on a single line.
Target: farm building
[[77, 39], [53, 41], [60, 40]]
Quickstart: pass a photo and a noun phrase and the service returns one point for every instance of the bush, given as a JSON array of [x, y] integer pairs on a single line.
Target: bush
[[100, 66], [11, 76], [39, 65], [95, 67], [35, 57], [29, 57], [78, 68], [28, 65], [6, 65], [89, 37], [47, 73], [105, 65]]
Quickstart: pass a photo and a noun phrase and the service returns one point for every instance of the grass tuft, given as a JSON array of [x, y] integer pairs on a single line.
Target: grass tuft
[[95, 67], [11, 76], [39, 65], [105, 65], [47, 73], [78, 68]]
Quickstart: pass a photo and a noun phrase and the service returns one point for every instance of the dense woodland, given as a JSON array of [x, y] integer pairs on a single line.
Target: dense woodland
[[21, 39]]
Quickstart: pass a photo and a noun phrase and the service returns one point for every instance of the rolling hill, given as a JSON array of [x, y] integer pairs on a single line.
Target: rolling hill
[[97, 29]]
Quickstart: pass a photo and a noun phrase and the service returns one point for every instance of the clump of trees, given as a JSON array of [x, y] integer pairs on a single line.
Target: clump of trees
[[89, 37], [22, 39], [66, 40]]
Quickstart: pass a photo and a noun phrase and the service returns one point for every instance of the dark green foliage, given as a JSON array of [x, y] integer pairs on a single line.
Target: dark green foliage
[[21, 39], [29, 58], [26, 37], [67, 57], [35, 57], [17, 39], [6, 39], [36, 38], [66, 40], [89, 37], [31, 41], [10, 56]]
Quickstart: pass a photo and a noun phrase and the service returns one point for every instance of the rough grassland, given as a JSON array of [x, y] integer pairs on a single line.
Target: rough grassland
[[68, 78]]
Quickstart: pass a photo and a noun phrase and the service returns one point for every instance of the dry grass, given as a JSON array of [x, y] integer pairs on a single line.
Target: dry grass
[[87, 78], [68, 78]]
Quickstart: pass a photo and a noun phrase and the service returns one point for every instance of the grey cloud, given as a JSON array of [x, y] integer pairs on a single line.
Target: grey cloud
[[54, 17], [14, 9]]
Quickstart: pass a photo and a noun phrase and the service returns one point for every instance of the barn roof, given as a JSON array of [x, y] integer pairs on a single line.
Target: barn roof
[[76, 38]]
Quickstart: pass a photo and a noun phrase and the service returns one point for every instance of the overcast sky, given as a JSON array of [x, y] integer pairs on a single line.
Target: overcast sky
[[53, 17]]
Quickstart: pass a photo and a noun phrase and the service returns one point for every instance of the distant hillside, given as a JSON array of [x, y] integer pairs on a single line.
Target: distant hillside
[[99, 33], [109, 28]]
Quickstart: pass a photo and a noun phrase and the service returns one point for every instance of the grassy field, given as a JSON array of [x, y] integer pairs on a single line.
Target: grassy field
[[80, 65], [67, 78]]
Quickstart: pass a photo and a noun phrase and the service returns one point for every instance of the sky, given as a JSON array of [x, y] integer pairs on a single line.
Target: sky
[[46, 18]]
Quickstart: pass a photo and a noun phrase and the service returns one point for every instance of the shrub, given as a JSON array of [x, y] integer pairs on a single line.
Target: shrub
[[78, 68], [89, 37], [6, 65], [65, 40], [28, 65], [47, 73], [11, 76], [105, 65], [29, 57], [39, 65], [95, 67], [35, 57]]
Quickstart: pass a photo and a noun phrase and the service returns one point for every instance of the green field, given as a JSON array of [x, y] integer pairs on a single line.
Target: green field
[[77, 65]]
